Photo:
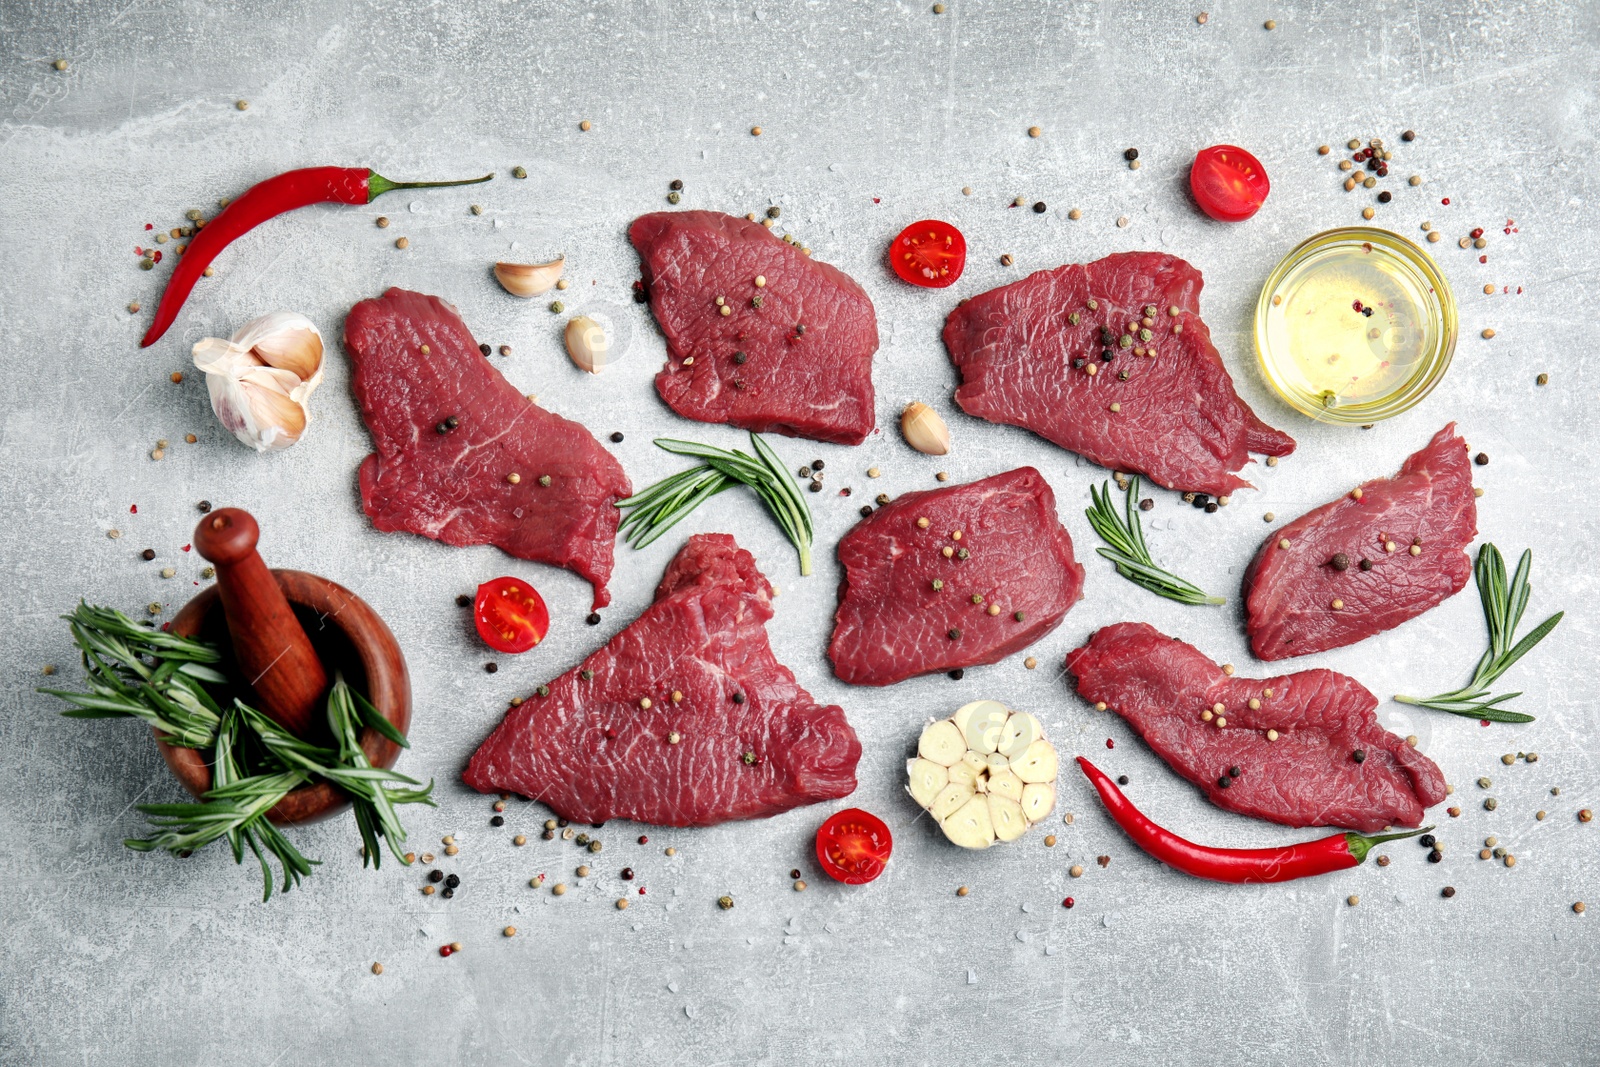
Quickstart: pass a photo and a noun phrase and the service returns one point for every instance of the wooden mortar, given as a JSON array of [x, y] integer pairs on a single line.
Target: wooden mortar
[[346, 635]]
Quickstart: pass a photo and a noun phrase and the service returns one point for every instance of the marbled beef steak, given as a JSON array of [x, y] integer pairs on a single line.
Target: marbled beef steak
[[951, 578], [1381, 554], [682, 719], [416, 365], [1309, 775], [1055, 351], [791, 356]]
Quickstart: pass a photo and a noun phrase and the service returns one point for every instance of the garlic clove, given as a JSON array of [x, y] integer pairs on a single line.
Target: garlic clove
[[529, 279], [292, 343], [924, 430], [587, 344]]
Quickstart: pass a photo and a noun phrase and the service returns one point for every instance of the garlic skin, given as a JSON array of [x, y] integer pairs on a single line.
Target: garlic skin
[[261, 380], [529, 279], [924, 430], [587, 344]]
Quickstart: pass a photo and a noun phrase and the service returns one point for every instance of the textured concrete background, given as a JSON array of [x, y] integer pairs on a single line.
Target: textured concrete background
[[875, 115]]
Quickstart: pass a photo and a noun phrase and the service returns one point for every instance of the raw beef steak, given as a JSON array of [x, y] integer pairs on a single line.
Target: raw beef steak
[[1367, 562], [951, 578], [1055, 351], [791, 356], [1309, 775], [416, 365], [682, 719]]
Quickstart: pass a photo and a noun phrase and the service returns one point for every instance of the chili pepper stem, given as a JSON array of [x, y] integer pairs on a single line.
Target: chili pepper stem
[[377, 184], [1361, 844]]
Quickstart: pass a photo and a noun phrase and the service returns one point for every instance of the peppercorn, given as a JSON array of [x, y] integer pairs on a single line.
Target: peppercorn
[[1131, 154], [954, 635], [1359, 756], [1366, 564], [958, 674], [1435, 856], [1339, 562], [1427, 840], [1224, 782], [724, 902], [148, 554], [1384, 197], [1122, 779], [447, 893], [627, 874], [1448, 891], [435, 875], [738, 698], [491, 666], [452, 880], [1481, 459], [498, 820], [593, 619]]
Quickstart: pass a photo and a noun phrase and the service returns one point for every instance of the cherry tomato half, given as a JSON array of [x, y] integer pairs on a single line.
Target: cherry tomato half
[[853, 845], [1228, 183], [929, 253], [510, 615]]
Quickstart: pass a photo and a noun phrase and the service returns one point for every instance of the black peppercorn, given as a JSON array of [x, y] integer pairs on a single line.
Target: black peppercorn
[[676, 185], [1481, 459], [435, 875], [1211, 508], [1201, 500], [1448, 891], [1339, 562], [958, 674], [1234, 772], [866, 509], [1409, 135], [955, 635], [484, 349], [1385, 196], [491, 666], [593, 619], [1224, 782], [447, 893], [1122, 779], [816, 464], [498, 820], [1366, 564], [1435, 856], [738, 698], [1359, 756], [1131, 154], [1107, 355], [616, 438], [795, 873], [1427, 841], [463, 600], [740, 357], [204, 506], [1039, 207], [452, 880], [148, 553], [1146, 504]]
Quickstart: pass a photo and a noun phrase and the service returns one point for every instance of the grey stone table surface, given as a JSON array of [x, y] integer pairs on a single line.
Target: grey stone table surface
[[874, 115]]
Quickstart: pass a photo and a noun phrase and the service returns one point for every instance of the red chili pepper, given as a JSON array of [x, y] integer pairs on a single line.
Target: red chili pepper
[[265, 200], [1238, 865]]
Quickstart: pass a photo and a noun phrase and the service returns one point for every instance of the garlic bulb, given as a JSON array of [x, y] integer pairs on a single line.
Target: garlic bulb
[[261, 380], [529, 279], [587, 344]]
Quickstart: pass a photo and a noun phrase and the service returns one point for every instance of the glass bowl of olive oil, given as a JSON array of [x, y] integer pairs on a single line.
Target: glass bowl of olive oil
[[1355, 325]]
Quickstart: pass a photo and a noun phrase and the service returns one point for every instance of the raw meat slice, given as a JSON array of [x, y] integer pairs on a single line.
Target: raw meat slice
[[1403, 540], [1054, 351], [417, 365], [792, 356], [1308, 776], [1005, 573], [694, 666]]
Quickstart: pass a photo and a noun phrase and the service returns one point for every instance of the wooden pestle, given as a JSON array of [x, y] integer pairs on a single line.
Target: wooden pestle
[[268, 641]]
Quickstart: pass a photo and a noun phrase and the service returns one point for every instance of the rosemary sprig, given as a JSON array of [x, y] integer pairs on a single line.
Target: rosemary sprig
[[1503, 606], [138, 671], [1129, 552], [368, 786], [653, 511]]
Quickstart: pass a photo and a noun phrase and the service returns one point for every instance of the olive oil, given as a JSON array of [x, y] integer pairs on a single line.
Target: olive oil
[[1355, 325]]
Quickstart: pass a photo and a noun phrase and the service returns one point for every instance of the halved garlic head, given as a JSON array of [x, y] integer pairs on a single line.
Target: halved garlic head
[[529, 279], [986, 774], [261, 379]]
